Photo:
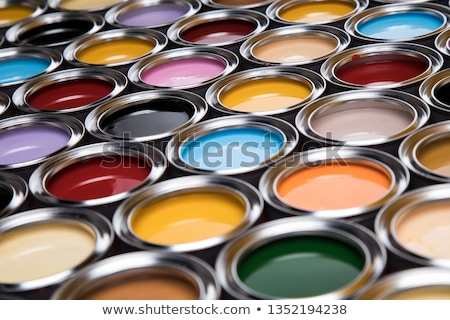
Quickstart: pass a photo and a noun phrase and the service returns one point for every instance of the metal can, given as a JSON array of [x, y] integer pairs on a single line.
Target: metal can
[[143, 276], [236, 4], [82, 5], [5, 103], [277, 260], [334, 182], [13, 193], [434, 91], [14, 11], [195, 214], [442, 42], [71, 238]]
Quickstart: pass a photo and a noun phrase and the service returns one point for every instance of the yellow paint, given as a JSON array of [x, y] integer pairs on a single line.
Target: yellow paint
[[114, 51], [316, 11], [423, 293], [265, 94], [87, 4], [435, 156], [11, 14], [187, 217]]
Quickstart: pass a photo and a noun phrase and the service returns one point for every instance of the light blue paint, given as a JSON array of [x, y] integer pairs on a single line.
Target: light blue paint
[[231, 149], [21, 68], [404, 25]]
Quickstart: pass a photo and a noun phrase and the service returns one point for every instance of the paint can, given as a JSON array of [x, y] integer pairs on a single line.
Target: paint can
[[241, 146], [28, 140], [427, 283], [114, 48], [226, 27], [295, 46], [414, 228], [277, 90], [82, 5], [401, 22], [442, 44], [335, 182], [13, 11], [5, 105], [147, 117], [54, 29], [296, 258], [382, 66], [150, 13], [97, 175], [72, 91], [144, 275], [70, 238], [434, 90], [192, 214], [237, 4], [13, 193], [372, 118], [425, 153], [185, 68], [314, 11]]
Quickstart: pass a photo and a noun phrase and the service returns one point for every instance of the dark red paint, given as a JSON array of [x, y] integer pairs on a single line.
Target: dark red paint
[[218, 31]]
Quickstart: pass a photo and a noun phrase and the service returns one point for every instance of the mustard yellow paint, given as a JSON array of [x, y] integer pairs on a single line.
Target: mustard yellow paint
[[316, 11], [187, 217], [86, 4], [423, 293], [265, 94], [11, 14], [114, 51]]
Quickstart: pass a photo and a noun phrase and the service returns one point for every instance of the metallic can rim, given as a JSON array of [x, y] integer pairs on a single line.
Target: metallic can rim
[[388, 214], [308, 77], [410, 102], [13, 33], [19, 189], [352, 233], [5, 103], [265, 37], [352, 24], [218, 5], [116, 78], [56, 59], [85, 218], [94, 118], [223, 184], [433, 59], [441, 42], [229, 58], [190, 266], [399, 179], [39, 6], [56, 5], [409, 147], [112, 14], [273, 11], [288, 131], [68, 123], [71, 51], [175, 30], [427, 90], [40, 176], [405, 280]]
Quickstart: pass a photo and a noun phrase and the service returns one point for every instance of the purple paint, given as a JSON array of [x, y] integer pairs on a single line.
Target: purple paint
[[155, 15], [184, 72], [23, 144]]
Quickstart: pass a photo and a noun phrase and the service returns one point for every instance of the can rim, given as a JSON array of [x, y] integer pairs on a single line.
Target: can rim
[[218, 5], [56, 5], [427, 90], [39, 6], [20, 191]]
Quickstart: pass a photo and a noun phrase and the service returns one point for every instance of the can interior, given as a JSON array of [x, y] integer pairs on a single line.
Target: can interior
[[431, 292], [316, 11], [6, 196], [432, 153]]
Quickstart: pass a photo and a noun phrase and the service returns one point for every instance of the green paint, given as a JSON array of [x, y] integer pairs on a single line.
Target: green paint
[[300, 267]]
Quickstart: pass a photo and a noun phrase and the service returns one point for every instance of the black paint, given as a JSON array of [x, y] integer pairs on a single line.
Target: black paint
[[5, 197], [442, 93]]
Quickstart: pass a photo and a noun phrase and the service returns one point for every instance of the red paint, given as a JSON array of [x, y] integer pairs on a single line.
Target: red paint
[[98, 177], [69, 94], [218, 31], [381, 69]]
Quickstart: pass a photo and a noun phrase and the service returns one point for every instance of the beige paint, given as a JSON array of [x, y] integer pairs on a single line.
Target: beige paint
[[86, 4], [423, 293]]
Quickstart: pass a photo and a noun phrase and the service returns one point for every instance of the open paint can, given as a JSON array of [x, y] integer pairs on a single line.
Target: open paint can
[[5, 103], [435, 90], [14, 11], [82, 5], [13, 193]]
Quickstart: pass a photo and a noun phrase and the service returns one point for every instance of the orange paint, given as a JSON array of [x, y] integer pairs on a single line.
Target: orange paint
[[334, 186]]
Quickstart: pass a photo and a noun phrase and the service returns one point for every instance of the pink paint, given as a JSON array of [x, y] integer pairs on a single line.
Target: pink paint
[[184, 72]]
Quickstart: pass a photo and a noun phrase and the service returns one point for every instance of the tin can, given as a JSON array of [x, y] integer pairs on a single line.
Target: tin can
[[334, 182], [143, 276], [150, 116], [14, 11], [73, 239], [277, 90], [150, 13], [192, 214], [241, 146], [425, 154], [442, 43], [412, 227], [434, 91], [374, 118], [13, 193], [276, 260], [5, 103], [71, 91], [97, 175], [224, 27]]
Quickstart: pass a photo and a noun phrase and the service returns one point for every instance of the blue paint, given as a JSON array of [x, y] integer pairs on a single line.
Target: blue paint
[[21, 68], [232, 148], [398, 26]]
